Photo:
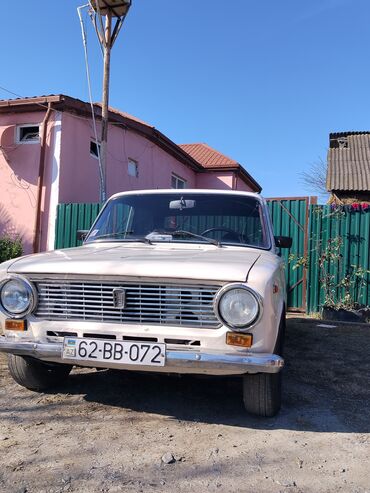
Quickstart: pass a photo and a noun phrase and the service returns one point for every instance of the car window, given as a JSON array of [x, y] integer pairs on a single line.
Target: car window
[[229, 219]]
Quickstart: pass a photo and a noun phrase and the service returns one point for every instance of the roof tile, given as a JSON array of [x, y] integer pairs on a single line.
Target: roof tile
[[208, 157]]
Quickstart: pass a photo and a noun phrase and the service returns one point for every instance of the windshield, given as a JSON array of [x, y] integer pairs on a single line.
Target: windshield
[[179, 217]]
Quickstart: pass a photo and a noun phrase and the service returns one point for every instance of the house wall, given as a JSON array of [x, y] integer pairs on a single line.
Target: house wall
[[219, 181], [19, 170], [79, 178], [222, 181], [242, 186]]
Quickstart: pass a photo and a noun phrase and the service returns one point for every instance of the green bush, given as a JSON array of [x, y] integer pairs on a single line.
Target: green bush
[[10, 248]]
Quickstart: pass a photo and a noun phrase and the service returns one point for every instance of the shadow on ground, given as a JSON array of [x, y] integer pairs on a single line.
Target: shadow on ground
[[325, 386]]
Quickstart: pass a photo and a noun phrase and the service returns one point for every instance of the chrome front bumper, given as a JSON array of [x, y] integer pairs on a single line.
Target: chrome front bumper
[[201, 361]]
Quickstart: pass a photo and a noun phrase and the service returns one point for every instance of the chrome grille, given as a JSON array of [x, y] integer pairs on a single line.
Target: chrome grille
[[164, 304]]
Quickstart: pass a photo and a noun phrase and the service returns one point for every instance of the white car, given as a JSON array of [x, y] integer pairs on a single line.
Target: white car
[[173, 281]]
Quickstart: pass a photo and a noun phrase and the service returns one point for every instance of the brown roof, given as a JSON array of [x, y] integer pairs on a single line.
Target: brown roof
[[126, 115], [213, 160], [42, 102], [208, 157], [349, 161]]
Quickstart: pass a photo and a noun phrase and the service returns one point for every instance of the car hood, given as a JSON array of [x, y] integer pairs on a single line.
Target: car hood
[[136, 260]]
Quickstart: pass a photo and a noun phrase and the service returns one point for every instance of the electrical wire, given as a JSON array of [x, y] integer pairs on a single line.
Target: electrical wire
[[42, 105], [84, 42], [72, 115], [12, 148], [10, 92]]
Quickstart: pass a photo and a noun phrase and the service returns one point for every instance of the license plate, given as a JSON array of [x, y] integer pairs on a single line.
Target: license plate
[[127, 353]]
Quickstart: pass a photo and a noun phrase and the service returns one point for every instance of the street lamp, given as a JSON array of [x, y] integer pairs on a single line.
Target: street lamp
[[110, 9]]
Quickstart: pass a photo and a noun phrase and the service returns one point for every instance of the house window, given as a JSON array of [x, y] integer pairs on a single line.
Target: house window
[[177, 182], [28, 134], [132, 168], [95, 149]]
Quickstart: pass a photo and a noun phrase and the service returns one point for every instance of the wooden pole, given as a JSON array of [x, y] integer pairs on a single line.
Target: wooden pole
[[105, 104]]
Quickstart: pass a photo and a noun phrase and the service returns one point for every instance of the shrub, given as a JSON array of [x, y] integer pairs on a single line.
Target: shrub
[[10, 248]]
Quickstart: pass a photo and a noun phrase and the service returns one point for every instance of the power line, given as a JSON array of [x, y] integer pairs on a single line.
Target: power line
[[84, 42], [42, 105]]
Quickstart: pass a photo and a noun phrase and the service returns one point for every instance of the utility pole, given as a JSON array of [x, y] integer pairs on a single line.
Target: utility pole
[[105, 102], [107, 35]]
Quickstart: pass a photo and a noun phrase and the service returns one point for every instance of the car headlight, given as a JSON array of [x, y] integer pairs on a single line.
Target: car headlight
[[237, 306], [17, 296]]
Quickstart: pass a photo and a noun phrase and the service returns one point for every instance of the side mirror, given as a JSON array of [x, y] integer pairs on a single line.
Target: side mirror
[[283, 241], [81, 234]]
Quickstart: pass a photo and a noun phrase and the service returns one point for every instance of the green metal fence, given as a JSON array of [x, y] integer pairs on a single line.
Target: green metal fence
[[290, 218], [71, 218], [338, 256], [313, 228]]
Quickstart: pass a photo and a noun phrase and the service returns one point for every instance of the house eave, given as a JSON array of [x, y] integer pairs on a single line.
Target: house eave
[[65, 103]]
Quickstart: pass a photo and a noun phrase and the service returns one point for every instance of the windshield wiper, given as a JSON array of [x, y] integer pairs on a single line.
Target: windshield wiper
[[149, 241], [181, 232], [141, 239]]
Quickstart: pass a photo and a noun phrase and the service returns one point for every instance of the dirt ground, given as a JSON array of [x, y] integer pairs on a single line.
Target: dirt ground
[[107, 431]]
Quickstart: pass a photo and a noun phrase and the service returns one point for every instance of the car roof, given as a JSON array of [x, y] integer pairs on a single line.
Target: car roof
[[185, 191]]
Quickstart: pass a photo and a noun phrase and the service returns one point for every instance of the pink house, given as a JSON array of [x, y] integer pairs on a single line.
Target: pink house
[[48, 155]]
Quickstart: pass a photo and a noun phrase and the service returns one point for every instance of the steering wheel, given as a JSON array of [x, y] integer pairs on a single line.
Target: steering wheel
[[220, 228]]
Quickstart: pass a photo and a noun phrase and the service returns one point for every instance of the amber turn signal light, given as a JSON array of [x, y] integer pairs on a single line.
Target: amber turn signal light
[[243, 340], [15, 324]]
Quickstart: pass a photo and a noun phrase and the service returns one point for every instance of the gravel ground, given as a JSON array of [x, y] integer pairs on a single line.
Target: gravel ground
[[122, 432]]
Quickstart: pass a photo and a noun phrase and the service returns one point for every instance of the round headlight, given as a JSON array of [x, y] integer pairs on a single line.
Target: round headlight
[[16, 296], [238, 307]]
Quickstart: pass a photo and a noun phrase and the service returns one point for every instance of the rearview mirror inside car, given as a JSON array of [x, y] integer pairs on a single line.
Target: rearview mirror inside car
[[182, 204]]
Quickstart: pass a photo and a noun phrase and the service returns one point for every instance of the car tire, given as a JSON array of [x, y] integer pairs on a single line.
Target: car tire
[[36, 375], [262, 391]]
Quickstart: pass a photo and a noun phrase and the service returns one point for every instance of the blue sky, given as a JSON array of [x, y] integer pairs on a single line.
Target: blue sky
[[261, 81]]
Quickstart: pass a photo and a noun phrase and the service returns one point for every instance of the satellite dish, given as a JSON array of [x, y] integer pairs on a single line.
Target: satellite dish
[[118, 8]]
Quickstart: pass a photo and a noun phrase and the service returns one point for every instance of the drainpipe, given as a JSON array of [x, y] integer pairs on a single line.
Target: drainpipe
[[40, 182]]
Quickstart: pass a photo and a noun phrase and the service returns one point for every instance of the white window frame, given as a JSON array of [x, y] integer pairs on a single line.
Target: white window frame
[[178, 180], [135, 163], [98, 144], [18, 129]]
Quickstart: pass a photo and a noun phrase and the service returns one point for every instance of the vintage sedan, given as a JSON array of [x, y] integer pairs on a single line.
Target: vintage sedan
[[173, 281]]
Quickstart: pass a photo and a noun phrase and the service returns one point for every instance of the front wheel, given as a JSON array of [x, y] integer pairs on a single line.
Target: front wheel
[[36, 375], [262, 393]]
